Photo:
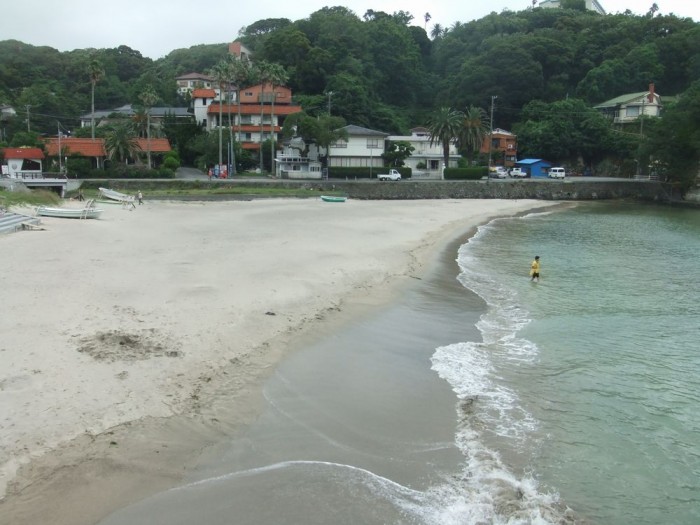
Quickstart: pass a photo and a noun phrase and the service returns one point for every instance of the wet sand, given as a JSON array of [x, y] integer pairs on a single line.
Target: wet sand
[[138, 344]]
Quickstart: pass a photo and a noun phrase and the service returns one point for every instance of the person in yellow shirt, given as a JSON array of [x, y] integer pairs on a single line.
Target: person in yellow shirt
[[535, 269]]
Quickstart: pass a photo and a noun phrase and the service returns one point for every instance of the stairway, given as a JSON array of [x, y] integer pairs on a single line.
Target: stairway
[[11, 222]]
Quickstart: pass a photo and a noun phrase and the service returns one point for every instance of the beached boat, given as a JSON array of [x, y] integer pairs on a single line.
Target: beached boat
[[88, 212], [115, 195], [330, 198]]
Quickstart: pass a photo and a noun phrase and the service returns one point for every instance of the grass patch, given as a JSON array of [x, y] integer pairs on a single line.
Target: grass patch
[[233, 190], [10, 199]]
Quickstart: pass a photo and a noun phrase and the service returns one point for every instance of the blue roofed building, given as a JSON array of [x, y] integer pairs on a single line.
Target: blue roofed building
[[534, 167]]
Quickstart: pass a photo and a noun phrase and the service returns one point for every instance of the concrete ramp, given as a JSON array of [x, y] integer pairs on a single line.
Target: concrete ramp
[[11, 222]]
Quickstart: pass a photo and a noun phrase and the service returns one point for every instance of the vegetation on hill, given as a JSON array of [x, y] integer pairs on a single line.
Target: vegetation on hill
[[544, 68]]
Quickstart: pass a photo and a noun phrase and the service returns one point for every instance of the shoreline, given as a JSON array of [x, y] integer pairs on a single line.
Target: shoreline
[[125, 462]]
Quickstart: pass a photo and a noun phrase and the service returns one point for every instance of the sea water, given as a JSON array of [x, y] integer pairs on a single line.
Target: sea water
[[582, 403], [572, 400]]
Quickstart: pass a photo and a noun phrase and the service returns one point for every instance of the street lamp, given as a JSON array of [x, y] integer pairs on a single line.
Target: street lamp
[[330, 94]]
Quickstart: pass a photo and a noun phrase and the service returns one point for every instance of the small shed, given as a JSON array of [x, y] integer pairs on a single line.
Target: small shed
[[22, 162], [535, 167]]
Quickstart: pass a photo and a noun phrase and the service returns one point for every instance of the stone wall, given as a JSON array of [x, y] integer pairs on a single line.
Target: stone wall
[[509, 189], [568, 189]]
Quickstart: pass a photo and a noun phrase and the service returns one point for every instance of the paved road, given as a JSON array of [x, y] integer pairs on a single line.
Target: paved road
[[190, 174]]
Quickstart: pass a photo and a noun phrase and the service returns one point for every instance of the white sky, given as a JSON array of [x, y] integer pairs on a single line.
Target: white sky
[[156, 27]]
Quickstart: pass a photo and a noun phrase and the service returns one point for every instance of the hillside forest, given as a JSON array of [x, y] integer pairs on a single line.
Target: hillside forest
[[538, 72]]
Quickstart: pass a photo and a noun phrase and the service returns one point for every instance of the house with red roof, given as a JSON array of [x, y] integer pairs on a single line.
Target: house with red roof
[[259, 120], [20, 163], [94, 149]]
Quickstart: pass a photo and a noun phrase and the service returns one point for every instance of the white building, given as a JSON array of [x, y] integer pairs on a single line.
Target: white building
[[425, 153], [628, 108], [191, 81], [363, 148], [591, 5]]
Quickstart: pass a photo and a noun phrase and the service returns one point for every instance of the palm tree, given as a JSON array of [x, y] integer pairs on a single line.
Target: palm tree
[[222, 74], [148, 97], [444, 127], [278, 76], [122, 142], [264, 73], [242, 75], [96, 73], [475, 127]]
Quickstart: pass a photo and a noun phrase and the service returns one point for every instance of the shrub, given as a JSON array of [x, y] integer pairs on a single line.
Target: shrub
[[364, 172], [80, 167], [466, 173], [170, 163]]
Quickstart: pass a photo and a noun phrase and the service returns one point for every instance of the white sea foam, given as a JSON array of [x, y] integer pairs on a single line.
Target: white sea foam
[[488, 491]]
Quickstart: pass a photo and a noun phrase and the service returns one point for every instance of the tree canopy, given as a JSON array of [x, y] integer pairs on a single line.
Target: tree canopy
[[389, 75]]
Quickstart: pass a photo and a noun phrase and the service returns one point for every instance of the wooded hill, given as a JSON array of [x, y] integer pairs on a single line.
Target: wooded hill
[[384, 73]]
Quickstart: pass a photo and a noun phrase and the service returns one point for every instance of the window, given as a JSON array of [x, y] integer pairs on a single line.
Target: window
[[372, 143], [340, 144], [632, 111]]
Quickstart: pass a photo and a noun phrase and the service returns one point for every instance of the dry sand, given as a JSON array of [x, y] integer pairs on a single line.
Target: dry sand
[[132, 343]]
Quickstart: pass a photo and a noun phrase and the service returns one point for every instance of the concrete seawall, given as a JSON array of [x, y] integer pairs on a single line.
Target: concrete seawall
[[509, 189], [569, 189]]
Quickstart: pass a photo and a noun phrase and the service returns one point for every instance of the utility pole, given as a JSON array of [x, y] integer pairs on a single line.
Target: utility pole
[[28, 128], [493, 98], [60, 162], [641, 138], [330, 94]]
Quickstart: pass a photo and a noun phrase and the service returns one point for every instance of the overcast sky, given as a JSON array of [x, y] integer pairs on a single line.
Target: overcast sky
[[156, 27]]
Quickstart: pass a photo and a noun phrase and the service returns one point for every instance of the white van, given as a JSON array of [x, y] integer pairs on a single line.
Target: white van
[[557, 173]]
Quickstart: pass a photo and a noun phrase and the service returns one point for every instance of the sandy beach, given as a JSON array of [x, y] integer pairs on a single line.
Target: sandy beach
[[134, 343]]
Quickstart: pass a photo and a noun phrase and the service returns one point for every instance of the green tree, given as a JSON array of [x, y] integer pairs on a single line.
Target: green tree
[[121, 142], [30, 139], [182, 133], [323, 130], [569, 131], [444, 128], [674, 140], [397, 152], [148, 97], [475, 127]]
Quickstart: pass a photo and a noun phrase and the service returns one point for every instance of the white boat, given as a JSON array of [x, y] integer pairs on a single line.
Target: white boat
[[88, 212], [115, 195]]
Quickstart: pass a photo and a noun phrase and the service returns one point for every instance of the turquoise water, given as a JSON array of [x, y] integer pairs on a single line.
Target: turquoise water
[[583, 398]]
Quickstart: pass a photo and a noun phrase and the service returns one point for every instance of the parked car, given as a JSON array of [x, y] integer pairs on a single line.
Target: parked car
[[392, 175], [518, 172], [557, 173], [498, 172]]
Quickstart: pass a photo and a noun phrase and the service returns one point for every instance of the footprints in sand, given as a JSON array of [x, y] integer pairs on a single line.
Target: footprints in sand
[[16, 383]]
